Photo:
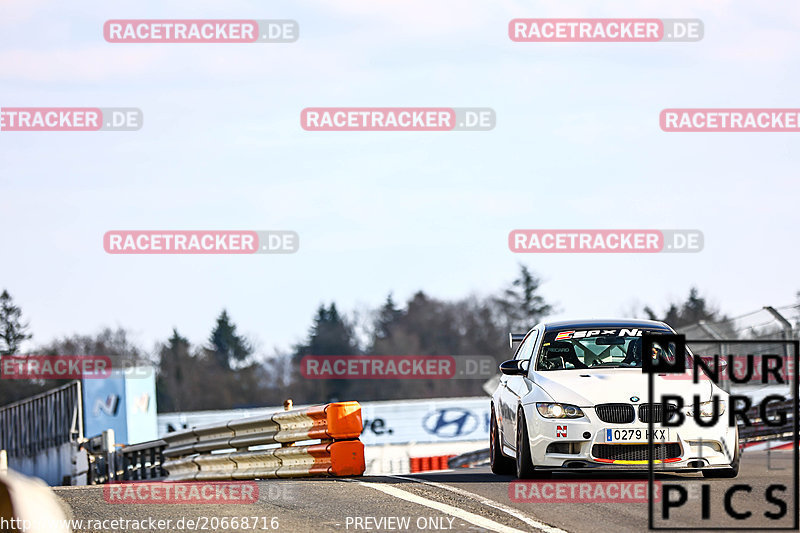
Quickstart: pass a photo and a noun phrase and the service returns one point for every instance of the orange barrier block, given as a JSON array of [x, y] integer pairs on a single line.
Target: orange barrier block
[[340, 420], [425, 464]]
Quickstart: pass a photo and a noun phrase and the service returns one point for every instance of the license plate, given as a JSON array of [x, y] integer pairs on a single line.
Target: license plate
[[635, 435]]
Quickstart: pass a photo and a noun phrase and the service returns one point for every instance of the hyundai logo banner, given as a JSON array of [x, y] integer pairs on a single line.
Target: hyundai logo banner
[[425, 421]]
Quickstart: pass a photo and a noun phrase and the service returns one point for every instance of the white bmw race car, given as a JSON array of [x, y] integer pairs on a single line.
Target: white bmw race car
[[575, 397]]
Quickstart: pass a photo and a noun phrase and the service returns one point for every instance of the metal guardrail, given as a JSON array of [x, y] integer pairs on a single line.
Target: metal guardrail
[[137, 462], [199, 453], [760, 431], [189, 454], [140, 461], [475, 458]]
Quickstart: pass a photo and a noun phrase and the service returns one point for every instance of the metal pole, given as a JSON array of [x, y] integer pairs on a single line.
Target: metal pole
[[109, 451], [787, 327]]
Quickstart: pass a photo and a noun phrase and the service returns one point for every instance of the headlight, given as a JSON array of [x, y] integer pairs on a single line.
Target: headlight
[[707, 409], [559, 410]]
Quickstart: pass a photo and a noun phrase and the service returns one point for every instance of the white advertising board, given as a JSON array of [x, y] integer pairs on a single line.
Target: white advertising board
[[423, 421]]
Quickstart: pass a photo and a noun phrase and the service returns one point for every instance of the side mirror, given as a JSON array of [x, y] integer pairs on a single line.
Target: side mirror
[[514, 367]]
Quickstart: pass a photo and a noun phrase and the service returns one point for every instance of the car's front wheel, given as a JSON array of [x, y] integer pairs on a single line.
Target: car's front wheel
[[524, 463], [501, 464]]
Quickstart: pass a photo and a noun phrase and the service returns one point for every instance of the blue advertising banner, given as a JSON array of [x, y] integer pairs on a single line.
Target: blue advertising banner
[[125, 401]]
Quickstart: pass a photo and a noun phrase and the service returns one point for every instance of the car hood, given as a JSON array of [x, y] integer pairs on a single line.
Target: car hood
[[586, 388]]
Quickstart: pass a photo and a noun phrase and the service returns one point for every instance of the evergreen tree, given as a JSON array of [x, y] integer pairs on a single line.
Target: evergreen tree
[[521, 303], [387, 318], [330, 334], [174, 373], [687, 313], [12, 333], [12, 330], [226, 345]]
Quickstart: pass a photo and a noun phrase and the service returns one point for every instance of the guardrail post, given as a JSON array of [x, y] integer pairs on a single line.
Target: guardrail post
[[137, 465], [108, 453], [126, 463], [151, 470]]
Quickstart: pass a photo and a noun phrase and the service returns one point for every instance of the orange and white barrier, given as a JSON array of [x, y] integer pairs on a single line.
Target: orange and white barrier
[[425, 464], [336, 425], [771, 445]]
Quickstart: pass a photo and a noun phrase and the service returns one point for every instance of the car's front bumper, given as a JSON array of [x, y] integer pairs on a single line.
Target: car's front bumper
[[690, 447]]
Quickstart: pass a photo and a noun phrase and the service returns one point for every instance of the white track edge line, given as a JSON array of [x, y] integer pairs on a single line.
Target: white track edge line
[[491, 503], [478, 520]]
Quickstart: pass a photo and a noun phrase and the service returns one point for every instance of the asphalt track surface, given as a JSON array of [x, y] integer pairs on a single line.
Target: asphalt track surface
[[464, 500]]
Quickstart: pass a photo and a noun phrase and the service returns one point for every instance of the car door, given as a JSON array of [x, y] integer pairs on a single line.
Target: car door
[[505, 410], [514, 388]]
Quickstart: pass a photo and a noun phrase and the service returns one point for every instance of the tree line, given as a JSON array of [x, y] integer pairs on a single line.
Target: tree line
[[225, 372]]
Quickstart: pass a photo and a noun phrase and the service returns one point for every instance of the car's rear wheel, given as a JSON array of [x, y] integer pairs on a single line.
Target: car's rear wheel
[[525, 468], [501, 464]]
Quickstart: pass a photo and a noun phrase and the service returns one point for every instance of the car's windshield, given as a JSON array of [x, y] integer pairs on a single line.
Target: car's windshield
[[593, 348]]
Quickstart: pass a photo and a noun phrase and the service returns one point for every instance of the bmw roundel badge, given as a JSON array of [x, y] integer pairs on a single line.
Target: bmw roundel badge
[[634, 398]]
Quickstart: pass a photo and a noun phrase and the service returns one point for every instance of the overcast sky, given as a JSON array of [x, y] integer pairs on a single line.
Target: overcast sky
[[577, 145]]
